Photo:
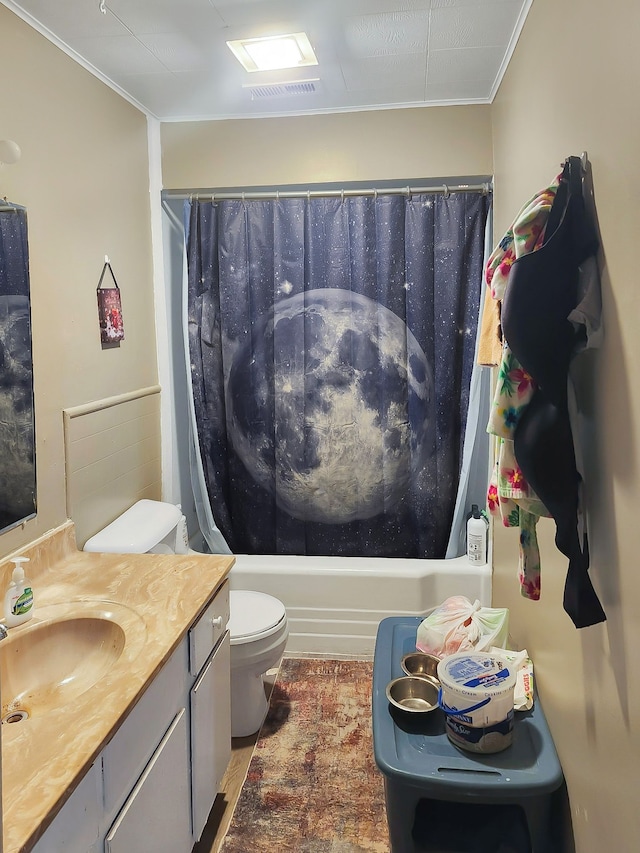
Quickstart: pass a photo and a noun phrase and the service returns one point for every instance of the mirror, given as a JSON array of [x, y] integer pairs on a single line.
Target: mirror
[[17, 426]]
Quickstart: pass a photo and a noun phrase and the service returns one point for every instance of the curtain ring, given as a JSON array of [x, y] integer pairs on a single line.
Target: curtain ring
[[446, 191], [277, 195], [243, 198], [375, 195], [308, 195], [342, 196]]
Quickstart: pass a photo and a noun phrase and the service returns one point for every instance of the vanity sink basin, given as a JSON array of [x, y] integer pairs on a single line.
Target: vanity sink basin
[[62, 652]]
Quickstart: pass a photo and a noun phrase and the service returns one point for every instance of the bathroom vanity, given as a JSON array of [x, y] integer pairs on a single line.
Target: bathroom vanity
[[134, 761]]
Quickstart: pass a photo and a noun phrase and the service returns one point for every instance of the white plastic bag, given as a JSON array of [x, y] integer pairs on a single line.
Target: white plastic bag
[[457, 625]]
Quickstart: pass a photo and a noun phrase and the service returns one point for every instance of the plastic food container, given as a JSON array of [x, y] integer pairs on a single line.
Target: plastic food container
[[476, 696]]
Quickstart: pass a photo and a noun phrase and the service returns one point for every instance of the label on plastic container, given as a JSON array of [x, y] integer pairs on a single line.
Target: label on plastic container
[[476, 672], [477, 700], [23, 603], [487, 739]]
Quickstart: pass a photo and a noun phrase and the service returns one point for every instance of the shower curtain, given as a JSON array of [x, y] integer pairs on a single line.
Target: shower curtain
[[331, 343]]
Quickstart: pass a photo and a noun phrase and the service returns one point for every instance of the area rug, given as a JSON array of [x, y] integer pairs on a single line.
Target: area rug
[[312, 784]]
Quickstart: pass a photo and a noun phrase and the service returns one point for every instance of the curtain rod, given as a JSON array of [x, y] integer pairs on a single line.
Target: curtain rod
[[446, 189], [7, 206]]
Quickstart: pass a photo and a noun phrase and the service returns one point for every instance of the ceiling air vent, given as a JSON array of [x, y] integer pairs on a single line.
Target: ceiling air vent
[[279, 90]]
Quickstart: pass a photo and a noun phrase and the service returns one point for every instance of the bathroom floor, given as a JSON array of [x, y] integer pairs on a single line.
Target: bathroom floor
[[222, 813]]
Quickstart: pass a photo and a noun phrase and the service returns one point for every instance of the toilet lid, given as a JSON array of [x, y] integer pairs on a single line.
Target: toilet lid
[[253, 613]]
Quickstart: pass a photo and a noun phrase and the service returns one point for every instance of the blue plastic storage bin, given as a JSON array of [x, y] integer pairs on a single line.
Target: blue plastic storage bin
[[422, 768]]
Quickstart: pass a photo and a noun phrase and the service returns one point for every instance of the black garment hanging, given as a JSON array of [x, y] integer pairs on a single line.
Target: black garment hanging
[[541, 294]]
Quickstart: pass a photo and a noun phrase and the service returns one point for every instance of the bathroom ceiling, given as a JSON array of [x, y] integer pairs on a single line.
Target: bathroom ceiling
[[170, 57]]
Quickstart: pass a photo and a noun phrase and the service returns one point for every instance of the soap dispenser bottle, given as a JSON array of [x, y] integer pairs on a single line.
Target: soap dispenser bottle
[[18, 601]]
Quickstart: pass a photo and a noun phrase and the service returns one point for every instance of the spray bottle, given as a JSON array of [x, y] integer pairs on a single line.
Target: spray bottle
[[476, 538]]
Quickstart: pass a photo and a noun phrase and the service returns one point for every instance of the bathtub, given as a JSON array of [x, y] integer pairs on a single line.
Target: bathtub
[[334, 604]]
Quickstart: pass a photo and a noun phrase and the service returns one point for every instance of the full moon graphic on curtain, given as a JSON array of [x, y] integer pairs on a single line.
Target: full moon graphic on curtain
[[329, 386]]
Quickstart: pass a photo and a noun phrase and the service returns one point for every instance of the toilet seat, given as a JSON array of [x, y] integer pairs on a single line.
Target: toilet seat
[[254, 616]]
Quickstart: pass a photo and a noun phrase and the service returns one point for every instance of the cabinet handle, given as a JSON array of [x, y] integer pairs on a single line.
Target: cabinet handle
[[217, 622]]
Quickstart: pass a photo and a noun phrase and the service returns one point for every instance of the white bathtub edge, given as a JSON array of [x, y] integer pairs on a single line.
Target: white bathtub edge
[[335, 604]]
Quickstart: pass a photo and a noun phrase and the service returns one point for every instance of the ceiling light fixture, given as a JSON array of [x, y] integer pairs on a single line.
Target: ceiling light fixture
[[274, 52]]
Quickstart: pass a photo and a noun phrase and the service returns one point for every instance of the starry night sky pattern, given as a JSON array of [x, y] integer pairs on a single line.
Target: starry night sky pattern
[[331, 345], [17, 436]]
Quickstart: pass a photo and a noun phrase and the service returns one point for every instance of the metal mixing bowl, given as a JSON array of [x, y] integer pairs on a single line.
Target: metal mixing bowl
[[414, 693], [421, 663]]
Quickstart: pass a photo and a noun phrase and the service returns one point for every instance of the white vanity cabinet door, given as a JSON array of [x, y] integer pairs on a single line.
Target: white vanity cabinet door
[[156, 818], [210, 732], [132, 746], [76, 827]]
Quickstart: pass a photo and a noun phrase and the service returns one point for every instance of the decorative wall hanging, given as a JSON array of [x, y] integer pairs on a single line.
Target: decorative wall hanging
[[109, 309]]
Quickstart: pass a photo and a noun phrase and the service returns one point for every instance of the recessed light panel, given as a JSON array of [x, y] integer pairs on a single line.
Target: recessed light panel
[[274, 52]]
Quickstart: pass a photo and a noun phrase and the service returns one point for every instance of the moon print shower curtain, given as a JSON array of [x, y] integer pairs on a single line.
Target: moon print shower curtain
[[331, 345]]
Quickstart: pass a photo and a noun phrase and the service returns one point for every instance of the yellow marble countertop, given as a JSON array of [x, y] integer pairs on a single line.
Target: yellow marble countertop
[[159, 597]]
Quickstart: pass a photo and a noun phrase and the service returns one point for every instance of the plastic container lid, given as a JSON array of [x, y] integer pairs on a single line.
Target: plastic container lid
[[137, 530], [253, 613], [476, 674]]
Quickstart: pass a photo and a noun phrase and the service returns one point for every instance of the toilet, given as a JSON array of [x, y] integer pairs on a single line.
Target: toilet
[[259, 631], [258, 624]]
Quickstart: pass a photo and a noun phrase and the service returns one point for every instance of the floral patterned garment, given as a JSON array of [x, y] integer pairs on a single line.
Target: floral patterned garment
[[510, 497], [525, 235]]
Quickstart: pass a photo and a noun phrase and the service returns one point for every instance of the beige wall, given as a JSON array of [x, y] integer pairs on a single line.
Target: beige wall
[[84, 178], [572, 85], [379, 145]]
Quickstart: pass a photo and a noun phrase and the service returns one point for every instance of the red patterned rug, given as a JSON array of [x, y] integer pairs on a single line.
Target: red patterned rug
[[312, 785]]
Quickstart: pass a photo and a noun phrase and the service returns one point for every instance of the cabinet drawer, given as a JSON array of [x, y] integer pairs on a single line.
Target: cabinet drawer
[[208, 630], [125, 757]]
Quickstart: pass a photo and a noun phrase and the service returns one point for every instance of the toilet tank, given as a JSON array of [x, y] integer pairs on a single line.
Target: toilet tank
[[146, 527]]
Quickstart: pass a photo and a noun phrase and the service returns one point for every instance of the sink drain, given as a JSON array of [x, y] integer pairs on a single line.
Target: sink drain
[[15, 717]]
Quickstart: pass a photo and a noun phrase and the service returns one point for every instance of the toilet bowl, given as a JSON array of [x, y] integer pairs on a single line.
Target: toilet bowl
[[258, 622], [259, 630]]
